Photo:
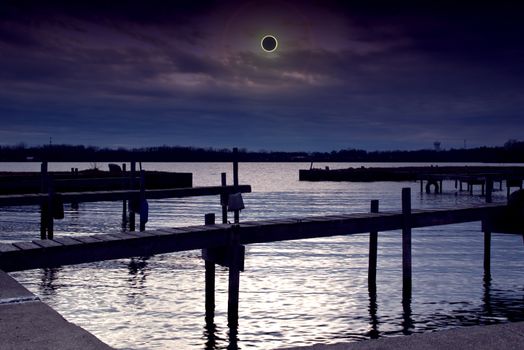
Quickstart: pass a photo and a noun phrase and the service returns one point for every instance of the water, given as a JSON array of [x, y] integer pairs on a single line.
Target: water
[[291, 293]]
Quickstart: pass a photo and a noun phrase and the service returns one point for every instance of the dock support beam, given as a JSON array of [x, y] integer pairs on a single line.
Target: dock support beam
[[373, 242], [210, 279], [236, 259], [235, 180], [487, 231], [223, 199], [406, 244], [124, 202], [132, 186]]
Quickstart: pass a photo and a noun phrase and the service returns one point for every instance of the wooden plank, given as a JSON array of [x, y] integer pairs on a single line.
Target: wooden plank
[[140, 233], [169, 231], [47, 243], [124, 236], [7, 247], [26, 245], [86, 239], [67, 241], [106, 237], [96, 196]]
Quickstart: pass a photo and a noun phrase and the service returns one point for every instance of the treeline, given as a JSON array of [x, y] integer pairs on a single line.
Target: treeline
[[511, 152]]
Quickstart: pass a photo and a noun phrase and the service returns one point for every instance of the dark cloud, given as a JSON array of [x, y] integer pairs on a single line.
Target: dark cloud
[[367, 74]]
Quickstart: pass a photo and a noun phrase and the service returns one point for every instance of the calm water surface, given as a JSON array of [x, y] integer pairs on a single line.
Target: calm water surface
[[292, 293]]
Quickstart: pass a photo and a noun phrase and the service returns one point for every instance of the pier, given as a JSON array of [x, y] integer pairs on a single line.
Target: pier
[[224, 243], [430, 177]]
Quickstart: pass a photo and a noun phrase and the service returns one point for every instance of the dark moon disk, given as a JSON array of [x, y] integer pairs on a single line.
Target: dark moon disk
[[269, 43]]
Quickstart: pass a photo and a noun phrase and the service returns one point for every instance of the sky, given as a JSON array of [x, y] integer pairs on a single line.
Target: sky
[[372, 75]]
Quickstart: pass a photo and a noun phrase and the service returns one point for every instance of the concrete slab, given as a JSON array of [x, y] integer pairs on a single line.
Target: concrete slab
[[11, 290], [508, 336], [27, 323]]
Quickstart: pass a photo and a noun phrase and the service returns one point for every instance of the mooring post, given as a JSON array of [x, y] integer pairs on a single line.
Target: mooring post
[[210, 279], [236, 252], [223, 199], [406, 243], [487, 231], [421, 186], [440, 190], [489, 190], [50, 211], [43, 207], [142, 204], [235, 180], [124, 202], [132, 186], [460, 186], [373, 242]]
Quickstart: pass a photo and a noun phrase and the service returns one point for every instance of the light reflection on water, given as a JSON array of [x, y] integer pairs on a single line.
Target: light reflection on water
[[291, 293]]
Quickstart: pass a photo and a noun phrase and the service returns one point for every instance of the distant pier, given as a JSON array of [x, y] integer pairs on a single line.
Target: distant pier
[[430, 177]]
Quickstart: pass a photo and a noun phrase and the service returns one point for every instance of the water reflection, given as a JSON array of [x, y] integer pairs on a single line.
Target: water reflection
[[47, 285], [407, 321], [373, 333]]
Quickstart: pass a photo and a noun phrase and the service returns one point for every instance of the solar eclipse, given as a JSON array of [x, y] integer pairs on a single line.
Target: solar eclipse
[[269, 43]]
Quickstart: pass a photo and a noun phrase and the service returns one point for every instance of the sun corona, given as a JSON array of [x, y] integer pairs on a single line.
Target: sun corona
[[269, 43]]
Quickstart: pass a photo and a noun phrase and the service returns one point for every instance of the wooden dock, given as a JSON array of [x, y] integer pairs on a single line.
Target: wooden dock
[[431, 178], [224, 243]]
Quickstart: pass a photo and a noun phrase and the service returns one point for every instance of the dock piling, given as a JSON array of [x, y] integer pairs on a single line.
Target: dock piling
[[124, 202], [236, 252], [223, 199], [210, 279], [406, 243], [142, 201], [43, 206], [373, 242], [132, 186], [235, 180]]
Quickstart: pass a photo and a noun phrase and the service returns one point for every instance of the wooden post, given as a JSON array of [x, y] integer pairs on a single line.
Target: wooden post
[[142, 198], [487, 252], [43, 207], [456, 183], [124, 202], [482, 188], [406, 243], [487, 234], [50, 210], [440, 182], [470, 187], [223, 199], [132, 186], [460, 186], [210, 279], [421, 186], [234, 279], [373, 242], [235, 180], [489, 190]]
